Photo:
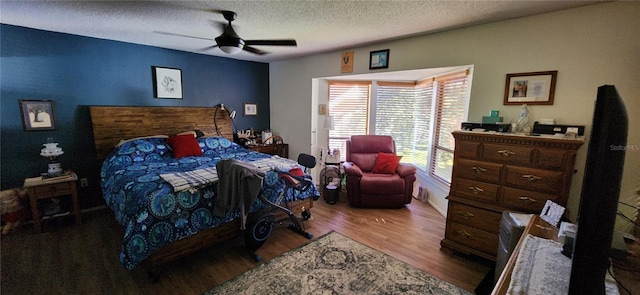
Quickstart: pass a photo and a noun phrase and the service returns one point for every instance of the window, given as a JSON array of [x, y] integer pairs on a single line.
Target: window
[[349, 106], [419, 115], [403, 110], [450, 111]]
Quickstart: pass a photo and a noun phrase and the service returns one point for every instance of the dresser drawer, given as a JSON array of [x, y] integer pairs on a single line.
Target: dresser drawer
[[535, 179], [468, 149], [476, 190], [524, 200], [508, 153], [472, 237], [485, 220], [478, 170], [552, 158], [53, 189]]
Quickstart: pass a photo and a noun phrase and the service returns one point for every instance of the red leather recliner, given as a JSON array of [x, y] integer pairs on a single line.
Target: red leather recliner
[[368, 189]]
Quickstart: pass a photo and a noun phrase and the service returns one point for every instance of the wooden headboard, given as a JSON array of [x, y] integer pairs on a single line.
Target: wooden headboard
[[112, 124]]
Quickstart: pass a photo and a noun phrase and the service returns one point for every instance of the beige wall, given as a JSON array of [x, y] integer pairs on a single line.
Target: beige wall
[[588, 46]]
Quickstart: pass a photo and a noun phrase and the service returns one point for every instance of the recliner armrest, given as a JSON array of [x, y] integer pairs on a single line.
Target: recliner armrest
[[351, 169], [405, 170]]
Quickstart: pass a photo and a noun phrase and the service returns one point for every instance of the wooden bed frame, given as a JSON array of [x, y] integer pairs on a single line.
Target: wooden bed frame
[[114, 123]]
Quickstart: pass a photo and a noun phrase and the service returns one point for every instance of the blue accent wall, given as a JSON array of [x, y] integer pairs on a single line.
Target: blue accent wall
[[77, 72]]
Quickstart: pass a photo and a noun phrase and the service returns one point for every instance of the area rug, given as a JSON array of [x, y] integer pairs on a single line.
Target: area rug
[[335, 264]]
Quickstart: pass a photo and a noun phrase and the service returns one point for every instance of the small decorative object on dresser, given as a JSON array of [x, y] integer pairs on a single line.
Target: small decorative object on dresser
[[501, 172]]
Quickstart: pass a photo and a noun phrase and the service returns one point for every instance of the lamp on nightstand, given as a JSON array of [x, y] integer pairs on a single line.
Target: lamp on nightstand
[[51, 151]]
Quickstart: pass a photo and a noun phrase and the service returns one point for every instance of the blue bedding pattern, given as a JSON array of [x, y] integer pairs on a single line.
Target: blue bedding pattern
[[153, 215]]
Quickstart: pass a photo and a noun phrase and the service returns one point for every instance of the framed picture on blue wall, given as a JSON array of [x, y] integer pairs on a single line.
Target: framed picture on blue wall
[[167, 82], [38, 115]]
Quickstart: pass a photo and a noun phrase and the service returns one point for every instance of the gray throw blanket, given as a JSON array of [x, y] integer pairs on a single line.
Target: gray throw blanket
[[239, 184]]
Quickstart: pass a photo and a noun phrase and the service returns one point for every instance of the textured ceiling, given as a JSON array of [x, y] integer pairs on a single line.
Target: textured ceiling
[[318, 26]]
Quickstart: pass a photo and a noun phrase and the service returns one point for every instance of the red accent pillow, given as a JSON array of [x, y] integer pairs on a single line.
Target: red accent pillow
[[386, 163], [184, 145]]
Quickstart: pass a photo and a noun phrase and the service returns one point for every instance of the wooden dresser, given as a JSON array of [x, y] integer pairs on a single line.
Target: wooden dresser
[[494, 172]]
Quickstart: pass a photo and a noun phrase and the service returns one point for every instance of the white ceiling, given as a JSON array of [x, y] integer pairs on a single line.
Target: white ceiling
[[318, 26]]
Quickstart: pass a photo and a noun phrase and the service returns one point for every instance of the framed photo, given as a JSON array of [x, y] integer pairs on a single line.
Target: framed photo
[[167, 82], [379, 59], [530, 88], [38, 115], [250, 109]]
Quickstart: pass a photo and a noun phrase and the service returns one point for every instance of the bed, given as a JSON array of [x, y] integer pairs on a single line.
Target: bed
[[162, 222]]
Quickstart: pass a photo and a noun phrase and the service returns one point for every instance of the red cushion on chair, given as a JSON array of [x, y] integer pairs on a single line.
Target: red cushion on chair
[[386, 163], [296, 172], [184, 146]]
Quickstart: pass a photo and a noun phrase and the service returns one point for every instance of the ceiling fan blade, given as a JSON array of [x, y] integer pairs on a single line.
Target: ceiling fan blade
[[281, 42], [253, 50], [180, 35], [209, 47]]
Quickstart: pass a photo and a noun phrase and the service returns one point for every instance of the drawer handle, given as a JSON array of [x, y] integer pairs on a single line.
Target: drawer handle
[[476, 190], [465, 214], [531, 178], [506, 153], [463, 234], [478, 169], [527, 200]]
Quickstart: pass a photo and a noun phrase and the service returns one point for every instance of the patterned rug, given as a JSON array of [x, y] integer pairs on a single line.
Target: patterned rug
[[335, 264]]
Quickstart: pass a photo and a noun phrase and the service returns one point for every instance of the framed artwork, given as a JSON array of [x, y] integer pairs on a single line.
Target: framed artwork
[[167, 82], [322, 109], [530, 88], [346, 62], [38, 115], [250, 109], [379, 59]]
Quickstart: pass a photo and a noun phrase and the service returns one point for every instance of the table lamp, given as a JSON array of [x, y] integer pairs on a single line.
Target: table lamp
[[51, 151]]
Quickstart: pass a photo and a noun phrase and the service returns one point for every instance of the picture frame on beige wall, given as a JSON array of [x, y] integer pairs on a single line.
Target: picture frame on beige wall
[[532, 88]]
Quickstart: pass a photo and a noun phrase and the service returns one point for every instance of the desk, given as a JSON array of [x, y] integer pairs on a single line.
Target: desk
[[268, 149], [38, 189]]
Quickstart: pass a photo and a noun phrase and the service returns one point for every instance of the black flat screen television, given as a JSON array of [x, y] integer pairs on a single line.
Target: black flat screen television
[[600, 193]]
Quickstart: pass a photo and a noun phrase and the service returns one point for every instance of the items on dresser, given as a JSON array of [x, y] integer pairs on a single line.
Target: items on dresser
[[499, 127], [495, 172]]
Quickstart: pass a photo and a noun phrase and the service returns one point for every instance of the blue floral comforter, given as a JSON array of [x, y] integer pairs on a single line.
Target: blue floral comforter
[[153, 215]]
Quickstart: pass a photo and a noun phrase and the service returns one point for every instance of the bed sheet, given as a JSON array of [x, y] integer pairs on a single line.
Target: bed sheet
[[152, 214]]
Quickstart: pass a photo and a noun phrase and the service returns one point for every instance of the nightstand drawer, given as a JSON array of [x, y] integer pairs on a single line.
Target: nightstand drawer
[[54, 189]]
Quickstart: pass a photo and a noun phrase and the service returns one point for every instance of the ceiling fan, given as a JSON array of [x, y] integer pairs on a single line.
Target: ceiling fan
[[231, 43]]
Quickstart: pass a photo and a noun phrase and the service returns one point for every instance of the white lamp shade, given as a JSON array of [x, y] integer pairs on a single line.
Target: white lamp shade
[[329, 123], [230, 49]]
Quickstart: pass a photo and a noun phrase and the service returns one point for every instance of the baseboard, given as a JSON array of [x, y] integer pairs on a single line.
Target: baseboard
[[433, 205]]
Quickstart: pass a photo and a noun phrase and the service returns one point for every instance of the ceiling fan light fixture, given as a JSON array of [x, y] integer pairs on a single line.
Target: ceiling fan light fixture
[[230, 45], [230, 49]]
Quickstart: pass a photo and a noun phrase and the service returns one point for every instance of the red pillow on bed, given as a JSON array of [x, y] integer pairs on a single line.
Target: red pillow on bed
[[184, 145], [386, 163]]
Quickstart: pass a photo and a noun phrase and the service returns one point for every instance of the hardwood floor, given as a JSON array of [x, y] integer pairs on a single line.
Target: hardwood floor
[[70, 259]]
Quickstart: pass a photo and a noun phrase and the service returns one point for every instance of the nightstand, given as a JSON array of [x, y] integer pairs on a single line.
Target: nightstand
[[39, 188]]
